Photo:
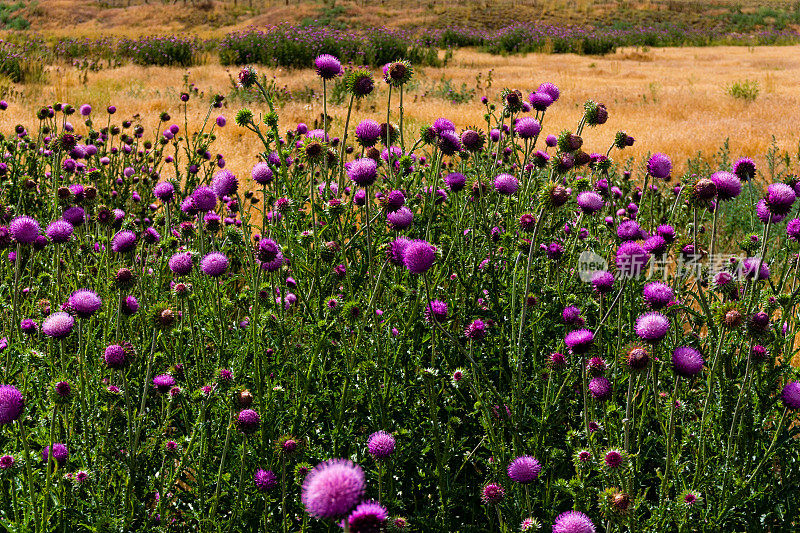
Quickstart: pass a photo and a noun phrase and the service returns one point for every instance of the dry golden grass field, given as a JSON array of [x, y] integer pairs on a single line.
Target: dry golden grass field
[[672, 100]]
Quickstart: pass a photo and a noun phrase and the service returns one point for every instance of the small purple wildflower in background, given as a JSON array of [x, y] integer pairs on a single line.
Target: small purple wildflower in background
[[333, 488], [221, 121], [214, 264], [58, 325], [6, 462], [492, 494], [573, 522], [265, 480], [524, 469], [686, 361], [11, 404], [381, 445]]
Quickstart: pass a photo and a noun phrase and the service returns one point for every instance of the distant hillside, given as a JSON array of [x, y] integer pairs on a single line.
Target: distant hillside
[[211, 17]]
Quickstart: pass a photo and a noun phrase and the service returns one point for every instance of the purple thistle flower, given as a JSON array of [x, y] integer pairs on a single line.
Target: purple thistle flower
[[745, 169], [214, 264], [28, 326], [579, 341], [455, 181], [328, 67], [363, 171], [436, 310], [793, 229], [629, 230], [24, 229], [659, 166], [419, 256], [123, 241], [60, 453], [181, 263], [163, 383], [248, 421], [224, 183], [602, 281], [631, 259], [58, 325], [332, 488], [590, 202], [164, 191], [476, 330], [441, 125], [749, 266], [790, 396], [368, 132], [265, 480], [573, 522], [527, 128], [686, 361], [11, 404], [728, 185], [205, 199], [765, 214], [84, 302], [261, 173], [381, 445], [115, 356], [540, 101], [506, 184], [652, 327], [367, 517], [549, 89], [600, 388], [74, 215], [658, 295], [524, 469], [492, 494], [59, 231], [780, 198]]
